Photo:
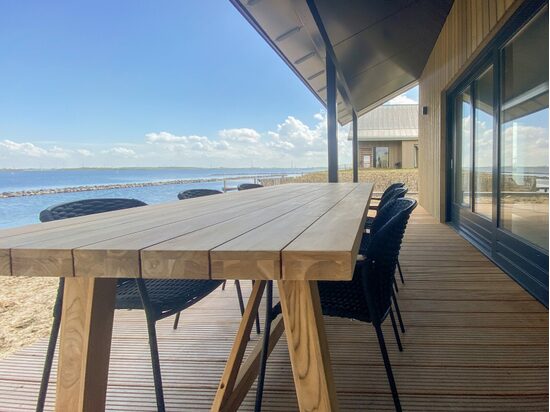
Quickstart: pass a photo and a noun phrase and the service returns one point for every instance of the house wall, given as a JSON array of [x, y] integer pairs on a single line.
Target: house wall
[[394, 149], [407, 153], [470, 25]]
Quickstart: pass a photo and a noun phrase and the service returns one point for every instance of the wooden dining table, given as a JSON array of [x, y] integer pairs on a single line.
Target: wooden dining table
[[294, 234]]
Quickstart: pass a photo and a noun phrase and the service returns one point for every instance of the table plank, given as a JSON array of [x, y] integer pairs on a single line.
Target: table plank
[[133, 212], [121, 256], [50, 252], [256, 253], [234, 235], [327, 249], [179, 257]]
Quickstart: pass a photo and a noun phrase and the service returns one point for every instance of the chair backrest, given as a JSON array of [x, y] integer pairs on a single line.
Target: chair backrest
[[381, 258], [393, 186], [395, 193], [191, 193], [246, 186], [87, 207], [385, 213]]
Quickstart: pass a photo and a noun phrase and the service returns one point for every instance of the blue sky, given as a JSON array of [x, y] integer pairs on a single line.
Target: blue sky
[[119, 83]]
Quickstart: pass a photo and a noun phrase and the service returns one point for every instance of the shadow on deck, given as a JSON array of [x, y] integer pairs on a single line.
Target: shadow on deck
[[475, 341]]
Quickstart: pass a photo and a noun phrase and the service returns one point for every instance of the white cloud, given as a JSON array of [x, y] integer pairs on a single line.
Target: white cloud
[[240, 135], [84, 152], [31, 150], [402, 99], [290, 142], [121, 151], [174, 143]]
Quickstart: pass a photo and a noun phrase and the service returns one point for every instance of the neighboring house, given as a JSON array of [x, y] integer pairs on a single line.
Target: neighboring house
[[388, 137]]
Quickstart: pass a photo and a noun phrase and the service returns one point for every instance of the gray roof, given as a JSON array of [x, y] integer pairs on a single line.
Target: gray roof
[[388, 122], [380, 47]]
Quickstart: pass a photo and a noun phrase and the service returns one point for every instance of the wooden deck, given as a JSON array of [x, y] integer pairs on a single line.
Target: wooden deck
[[475, 341]]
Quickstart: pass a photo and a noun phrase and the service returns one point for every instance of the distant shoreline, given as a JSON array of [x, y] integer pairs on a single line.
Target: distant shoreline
[[4, 170], [89, 188]]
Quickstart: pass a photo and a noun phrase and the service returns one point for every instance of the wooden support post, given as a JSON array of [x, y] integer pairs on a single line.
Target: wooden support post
[[355, 148], [307, 345], [85, 344], [251, 367], [332, 128]]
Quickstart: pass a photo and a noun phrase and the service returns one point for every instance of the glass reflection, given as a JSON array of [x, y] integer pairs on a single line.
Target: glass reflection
[[524, 134]]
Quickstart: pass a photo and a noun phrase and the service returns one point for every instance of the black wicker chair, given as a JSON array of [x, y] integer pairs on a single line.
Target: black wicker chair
[[366, 298], [190, 194], [158, 298], [389, 188], [246, 186], [395, 193], [382, 217]]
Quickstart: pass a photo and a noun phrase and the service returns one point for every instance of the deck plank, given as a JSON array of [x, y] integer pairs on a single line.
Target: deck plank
[[475, 341]]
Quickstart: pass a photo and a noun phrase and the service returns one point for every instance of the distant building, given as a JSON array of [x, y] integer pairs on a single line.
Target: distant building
[[388, 137]]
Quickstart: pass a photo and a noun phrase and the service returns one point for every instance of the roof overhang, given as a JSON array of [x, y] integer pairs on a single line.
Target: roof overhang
[[380, 46]]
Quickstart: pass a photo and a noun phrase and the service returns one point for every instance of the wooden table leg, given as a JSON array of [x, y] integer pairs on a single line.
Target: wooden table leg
[[233, 365], [85, 344], [307, 345]]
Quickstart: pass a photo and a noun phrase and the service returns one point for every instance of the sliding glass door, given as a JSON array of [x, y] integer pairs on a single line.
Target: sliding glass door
[[499, 162]]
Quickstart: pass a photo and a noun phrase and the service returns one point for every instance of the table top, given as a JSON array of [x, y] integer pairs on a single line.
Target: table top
[[292, 232]]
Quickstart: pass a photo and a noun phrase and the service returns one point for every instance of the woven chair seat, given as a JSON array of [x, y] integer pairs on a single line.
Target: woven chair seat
[[87, 207], [365, 240], [166, 295], [368, 222], [192, 193], [246, 186], [342, 299]]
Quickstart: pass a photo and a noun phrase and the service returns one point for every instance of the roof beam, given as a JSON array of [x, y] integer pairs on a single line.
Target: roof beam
[[341, 80]]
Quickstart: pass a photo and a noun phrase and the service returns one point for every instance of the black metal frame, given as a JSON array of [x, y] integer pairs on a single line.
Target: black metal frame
[[355, 147], [526, 263]]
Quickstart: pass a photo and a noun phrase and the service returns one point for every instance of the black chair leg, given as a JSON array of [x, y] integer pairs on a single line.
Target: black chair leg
[[176, 320], [395, 285], [400, 272], [240, 296], [153, 344], [401, 324], [395, 331], [387, 365], [155, 361], [265, 346], [258, 330], [51, 347], [223, 284]]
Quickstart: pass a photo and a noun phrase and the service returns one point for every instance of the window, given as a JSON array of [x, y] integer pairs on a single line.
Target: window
[[381, 157], [524, 134], [483, 144], [463, 107]]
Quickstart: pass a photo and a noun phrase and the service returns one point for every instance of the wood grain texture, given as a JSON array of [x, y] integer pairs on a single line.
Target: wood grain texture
[[237, 236], [171, 258], [258, 252], [85, 342], [138, 227], [233, 364], [470, 25], [307, 345], [328, 248]]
